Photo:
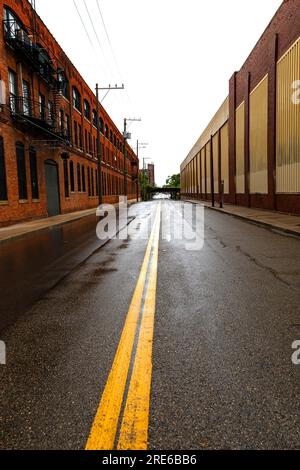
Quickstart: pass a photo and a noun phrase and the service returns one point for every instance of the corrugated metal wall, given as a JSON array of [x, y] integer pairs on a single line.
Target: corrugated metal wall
[[240, 148], [203, 169], [288, 122], [208, 169], [225, 158], [216, 162], [258, 134]]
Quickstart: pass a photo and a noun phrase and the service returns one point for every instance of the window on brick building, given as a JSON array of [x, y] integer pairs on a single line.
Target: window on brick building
[[3, 186], [62, 121], [89, 180], [97, 183], [93, 182], [76, 99], [72, 178], [101, 126], [87, 110], [64, 84], [42, 106], [83, 178], [75, 134], [21, 168], [111, 136], [66, 178], [80, 136], [78, 177], [106, 131], [26, 103], [94, 118], [86, 140], [50, 113], [13, 91], [68, 127], [33, 174]]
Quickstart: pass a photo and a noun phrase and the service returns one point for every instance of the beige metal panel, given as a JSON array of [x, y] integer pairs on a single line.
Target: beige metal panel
[[198, 170], [208, 169], [240, 148], [196, 175], [203, 169], [216, 162], [225, 158], [288, 122], [215, 124], [258, 135]]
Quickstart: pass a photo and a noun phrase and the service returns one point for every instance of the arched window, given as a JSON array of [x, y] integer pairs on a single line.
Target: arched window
[[3, 186], [106, 131], [76, 99], [72, 180], [87, 110], [101, 126], [111, 136]]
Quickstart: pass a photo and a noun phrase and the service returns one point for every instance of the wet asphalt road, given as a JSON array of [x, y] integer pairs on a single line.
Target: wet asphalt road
[[225, 320]]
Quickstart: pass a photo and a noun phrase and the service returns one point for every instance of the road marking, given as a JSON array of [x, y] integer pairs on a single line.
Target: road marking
[[104, 428], [134, 428]]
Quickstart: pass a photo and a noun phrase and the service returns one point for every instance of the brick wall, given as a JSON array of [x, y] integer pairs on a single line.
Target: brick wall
[[13, 210]]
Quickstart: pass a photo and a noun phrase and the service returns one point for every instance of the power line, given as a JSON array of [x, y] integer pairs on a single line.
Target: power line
[[83, 24], [111, 47], [93, 26], [108, 39]]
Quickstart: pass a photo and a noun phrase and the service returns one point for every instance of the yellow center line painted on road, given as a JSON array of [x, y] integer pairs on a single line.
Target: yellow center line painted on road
[[104, 428], [134, 428]]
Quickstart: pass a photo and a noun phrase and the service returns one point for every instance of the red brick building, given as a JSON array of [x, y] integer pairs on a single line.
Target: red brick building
[[48, 127], [151, 173], [252, 143]]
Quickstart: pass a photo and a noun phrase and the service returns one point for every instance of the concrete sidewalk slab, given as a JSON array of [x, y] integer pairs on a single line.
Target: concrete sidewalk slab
[[274, 220], [19, 230]]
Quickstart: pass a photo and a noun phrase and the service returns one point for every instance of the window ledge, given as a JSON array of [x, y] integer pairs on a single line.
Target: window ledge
[[3, 203], [23, 201], [35, 200]]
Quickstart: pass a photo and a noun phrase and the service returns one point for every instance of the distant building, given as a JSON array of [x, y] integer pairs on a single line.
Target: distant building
[[151, 174]]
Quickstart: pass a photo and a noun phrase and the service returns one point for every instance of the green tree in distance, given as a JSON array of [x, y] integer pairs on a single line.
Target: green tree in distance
[[173, 181]]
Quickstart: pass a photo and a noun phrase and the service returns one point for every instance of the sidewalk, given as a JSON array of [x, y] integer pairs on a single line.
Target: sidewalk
[[270, 219], [18, 230]]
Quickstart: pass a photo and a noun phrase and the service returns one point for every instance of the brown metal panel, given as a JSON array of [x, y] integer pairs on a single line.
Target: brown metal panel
[[240, 148]]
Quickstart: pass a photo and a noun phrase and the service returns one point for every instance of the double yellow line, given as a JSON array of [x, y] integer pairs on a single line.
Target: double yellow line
[[134, 426]]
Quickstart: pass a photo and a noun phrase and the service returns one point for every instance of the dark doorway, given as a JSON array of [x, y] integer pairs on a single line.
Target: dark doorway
[[52, 188]]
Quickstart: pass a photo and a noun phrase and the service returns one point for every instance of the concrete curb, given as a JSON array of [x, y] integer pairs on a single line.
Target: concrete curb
[[52, 225], [248, 219]]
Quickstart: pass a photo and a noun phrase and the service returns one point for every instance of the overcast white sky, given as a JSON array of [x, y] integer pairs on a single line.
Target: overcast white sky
[[174, 57]]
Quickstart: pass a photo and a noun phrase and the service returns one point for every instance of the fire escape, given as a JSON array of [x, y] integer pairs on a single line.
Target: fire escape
[[31, 116]]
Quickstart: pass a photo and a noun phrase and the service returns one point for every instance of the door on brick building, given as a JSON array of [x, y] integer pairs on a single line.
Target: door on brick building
[[52, 188]]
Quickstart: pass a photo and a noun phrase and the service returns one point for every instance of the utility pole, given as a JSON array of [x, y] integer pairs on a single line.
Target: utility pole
[[99, 162], [127, 136], [144, 174], [141, 146]]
